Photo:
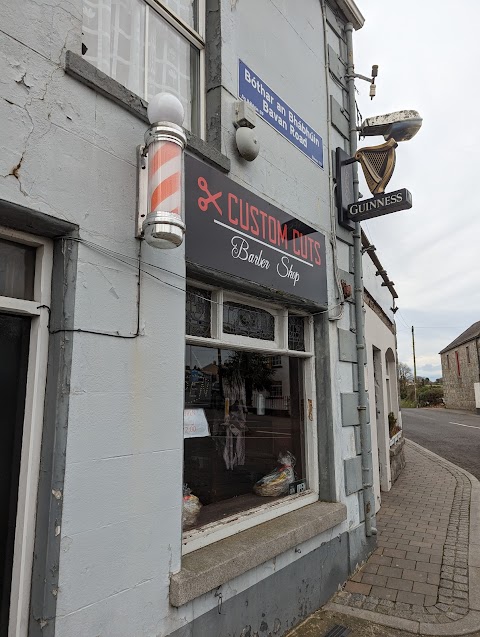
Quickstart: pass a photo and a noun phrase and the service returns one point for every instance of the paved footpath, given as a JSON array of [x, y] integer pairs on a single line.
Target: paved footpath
[[424, 577]]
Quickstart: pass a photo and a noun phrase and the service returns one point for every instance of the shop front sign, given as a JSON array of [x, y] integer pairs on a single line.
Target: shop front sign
[[232, 230], [278, 114]]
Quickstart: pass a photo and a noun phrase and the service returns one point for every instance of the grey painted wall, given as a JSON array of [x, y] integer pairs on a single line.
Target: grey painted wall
[[299, 589], [69, 152]]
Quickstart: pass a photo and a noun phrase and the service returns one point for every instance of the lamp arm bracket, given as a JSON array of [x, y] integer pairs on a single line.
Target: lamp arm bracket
[[357, 76], [349, 161]]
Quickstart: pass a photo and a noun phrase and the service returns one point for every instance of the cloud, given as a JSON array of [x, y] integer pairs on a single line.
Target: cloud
[[430, 251]]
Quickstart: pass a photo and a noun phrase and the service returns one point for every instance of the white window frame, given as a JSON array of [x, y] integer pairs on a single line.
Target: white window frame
[[193, 36], [215, 531], [32, 425], [197, 38]]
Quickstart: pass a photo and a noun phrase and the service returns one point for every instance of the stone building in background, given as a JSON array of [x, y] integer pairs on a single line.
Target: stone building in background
[[461, 370]]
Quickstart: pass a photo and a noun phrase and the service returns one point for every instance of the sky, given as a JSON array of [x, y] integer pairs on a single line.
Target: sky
[[428, 53]]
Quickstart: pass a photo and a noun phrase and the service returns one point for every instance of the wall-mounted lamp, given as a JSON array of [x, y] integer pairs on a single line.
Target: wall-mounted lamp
[[159, 205], [245, 120], [400, 126]]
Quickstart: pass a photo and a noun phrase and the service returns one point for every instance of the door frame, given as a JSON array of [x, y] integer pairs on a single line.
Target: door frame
[[38, 310]]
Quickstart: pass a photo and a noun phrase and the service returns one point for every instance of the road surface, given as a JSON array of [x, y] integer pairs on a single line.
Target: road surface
[[454, 435]]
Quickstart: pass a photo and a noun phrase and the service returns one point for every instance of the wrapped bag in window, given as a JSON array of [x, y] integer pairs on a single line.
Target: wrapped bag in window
[[191, 508], [277, 482]]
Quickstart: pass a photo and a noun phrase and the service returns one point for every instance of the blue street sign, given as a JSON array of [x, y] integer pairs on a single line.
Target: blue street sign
[[278, 114]]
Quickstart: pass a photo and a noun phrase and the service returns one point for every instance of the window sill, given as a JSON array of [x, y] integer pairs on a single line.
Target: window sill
[[214, 565], [268, 510], [76, 66]]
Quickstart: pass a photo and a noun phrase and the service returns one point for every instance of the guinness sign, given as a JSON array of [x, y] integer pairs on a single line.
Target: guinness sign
[[379, 205]]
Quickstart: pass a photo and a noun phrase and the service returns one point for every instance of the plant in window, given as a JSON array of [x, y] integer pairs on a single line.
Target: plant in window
[[393, 428]]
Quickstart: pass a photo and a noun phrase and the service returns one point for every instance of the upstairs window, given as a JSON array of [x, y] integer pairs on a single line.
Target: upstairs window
[[468, 354], [458, 363], [149, 47]]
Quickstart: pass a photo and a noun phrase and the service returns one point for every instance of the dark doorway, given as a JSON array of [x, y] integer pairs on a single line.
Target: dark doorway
[[14, 344]]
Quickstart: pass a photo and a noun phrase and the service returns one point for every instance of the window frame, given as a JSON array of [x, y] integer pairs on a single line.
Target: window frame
[[195, 539], [194, 37], [32, 424]]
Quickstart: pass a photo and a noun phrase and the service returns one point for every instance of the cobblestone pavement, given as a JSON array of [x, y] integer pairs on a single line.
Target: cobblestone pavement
[[419, 571]]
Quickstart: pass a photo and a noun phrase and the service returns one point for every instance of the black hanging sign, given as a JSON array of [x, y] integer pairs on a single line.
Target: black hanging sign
[[232, 230], [380, 205]]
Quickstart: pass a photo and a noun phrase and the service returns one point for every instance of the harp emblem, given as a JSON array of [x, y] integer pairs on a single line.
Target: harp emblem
[[378, 164]]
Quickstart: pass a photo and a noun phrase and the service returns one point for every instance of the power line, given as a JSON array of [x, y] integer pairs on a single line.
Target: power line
[[138, 263], [403, 320]]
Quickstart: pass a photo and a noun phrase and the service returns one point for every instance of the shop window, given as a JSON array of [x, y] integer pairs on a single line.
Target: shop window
[[245, 320], [148, 47], [245, 412], [296, 333], [198, 312], [249, 416], [17, 270]]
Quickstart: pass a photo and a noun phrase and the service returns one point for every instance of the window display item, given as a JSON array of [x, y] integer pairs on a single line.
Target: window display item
[[277, 482], [235, 421], [191, 508]]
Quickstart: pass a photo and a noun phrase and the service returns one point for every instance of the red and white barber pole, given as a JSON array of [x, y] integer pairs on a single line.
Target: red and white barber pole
[[165, 142]]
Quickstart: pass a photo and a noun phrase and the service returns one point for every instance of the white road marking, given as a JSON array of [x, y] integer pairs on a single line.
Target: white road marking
[[462, 425]]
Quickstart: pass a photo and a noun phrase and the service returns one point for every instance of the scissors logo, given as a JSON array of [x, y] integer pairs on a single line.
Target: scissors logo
[[204, 202]]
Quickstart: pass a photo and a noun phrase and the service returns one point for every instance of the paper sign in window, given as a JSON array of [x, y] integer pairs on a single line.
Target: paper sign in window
[[195, 423]]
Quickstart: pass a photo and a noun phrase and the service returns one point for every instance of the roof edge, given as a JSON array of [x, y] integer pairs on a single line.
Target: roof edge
[[472, 333], [454, 346], [351, 12]]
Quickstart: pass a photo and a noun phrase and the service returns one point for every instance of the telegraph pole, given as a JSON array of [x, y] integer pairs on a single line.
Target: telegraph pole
[[414, 367]]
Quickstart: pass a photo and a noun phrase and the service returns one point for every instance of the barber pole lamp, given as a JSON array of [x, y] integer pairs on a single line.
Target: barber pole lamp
[[165, 141]]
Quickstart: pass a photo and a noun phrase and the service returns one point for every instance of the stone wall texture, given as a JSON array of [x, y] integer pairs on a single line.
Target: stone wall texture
[[458, 378]]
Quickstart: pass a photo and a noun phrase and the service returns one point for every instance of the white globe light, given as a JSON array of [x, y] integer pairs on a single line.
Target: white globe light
[[165, 107]]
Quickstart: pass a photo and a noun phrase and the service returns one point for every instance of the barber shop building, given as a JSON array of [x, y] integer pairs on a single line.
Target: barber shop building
[[181, 444]]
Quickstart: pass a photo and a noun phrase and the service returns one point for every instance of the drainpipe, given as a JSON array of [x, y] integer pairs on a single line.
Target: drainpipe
[[365, 437], [333, 210]]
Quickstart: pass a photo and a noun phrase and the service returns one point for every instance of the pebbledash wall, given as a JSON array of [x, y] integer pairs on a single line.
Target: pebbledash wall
[[108, 536]]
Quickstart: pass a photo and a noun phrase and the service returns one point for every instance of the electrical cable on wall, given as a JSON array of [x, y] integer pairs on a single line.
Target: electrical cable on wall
[[118, 256], [99, 332]]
